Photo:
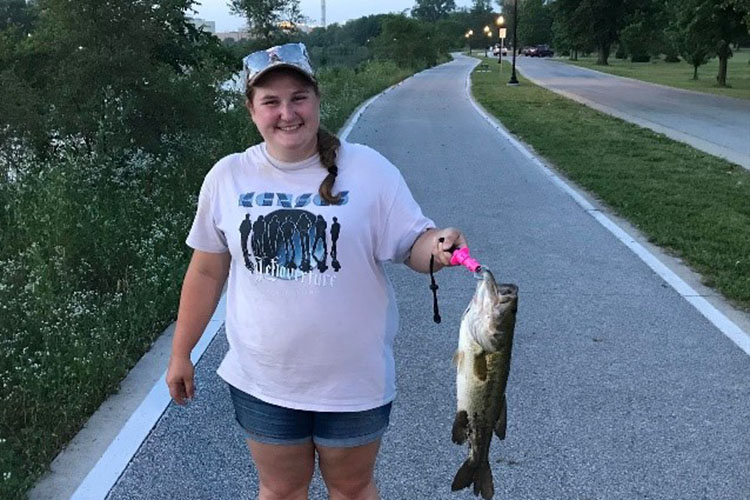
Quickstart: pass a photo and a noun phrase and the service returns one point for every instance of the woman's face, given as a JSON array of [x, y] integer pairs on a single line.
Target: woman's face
[[286, 111]]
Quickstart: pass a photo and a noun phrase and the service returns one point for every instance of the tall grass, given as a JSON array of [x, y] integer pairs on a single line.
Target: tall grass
[[92, 255]]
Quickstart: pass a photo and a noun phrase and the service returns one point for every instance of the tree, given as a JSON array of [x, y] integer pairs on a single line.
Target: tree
[[716, 23], [433, 10], [695, 49], [481, 6], [109, 75], [406, 41], [599, 20], [534, 23], [264, 16], [16, 13], [743, 8], [643, 35]]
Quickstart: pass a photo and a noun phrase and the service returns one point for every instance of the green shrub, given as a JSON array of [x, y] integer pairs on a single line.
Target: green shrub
[[93, 257]]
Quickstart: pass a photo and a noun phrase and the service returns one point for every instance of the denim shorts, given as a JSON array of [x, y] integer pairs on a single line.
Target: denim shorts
[[271, 424]]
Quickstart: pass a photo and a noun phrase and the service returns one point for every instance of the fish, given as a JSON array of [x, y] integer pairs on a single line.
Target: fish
[[482, 367]]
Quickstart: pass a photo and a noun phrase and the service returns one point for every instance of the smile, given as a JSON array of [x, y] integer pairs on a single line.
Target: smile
[[290, 128]]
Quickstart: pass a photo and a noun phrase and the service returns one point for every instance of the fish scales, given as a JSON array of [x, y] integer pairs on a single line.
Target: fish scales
[[482, 369]]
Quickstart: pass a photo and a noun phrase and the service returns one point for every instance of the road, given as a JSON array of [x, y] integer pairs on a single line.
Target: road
[[619, 388], [715, 124]]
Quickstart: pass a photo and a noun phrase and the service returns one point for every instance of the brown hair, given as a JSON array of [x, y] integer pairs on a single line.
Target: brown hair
[[328, 144]]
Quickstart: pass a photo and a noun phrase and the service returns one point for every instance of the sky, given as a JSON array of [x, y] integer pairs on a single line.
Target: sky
[[337, 11]]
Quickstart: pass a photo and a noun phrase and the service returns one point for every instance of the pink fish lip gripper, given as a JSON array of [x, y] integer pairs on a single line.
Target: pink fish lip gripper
[[463, 257]]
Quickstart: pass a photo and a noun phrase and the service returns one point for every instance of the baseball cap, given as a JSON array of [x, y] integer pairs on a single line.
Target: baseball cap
[[289, 55]]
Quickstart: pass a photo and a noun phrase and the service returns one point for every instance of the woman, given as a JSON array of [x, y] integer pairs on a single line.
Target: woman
[[301, 224]]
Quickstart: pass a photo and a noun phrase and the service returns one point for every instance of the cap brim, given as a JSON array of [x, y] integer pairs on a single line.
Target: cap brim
[[280, 65]]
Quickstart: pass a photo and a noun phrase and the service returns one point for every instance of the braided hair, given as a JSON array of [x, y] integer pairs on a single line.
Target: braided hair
[[328, 144]]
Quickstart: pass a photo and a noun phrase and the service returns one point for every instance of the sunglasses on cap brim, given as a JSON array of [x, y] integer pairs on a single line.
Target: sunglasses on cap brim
[[293, 55]]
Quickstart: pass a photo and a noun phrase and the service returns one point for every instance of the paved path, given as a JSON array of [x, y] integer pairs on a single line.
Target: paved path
[[619, 388], [715, 124]]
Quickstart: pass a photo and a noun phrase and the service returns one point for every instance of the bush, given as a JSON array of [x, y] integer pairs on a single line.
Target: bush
[[94, 260], [90, 277]]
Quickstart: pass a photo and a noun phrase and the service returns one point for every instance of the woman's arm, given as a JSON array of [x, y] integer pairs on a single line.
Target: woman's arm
[[201, 290], [428, 244]]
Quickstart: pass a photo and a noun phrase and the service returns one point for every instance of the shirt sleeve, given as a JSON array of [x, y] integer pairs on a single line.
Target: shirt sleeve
[[403, 225], [204, 234]]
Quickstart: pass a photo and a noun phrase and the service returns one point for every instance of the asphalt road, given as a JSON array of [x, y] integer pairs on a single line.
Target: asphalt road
[[715, 124], [619, 388]]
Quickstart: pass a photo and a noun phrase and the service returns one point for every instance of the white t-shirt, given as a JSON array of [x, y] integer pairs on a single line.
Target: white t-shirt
[[311, 315]]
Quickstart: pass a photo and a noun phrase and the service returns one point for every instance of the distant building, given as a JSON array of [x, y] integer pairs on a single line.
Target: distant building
[[244, 33], [208, 26], [234, 35]]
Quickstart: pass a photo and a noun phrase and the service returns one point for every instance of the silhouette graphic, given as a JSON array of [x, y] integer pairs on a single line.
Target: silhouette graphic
[[288, 242], [245, 229], [256, 241], [335, 230], [320, 237]]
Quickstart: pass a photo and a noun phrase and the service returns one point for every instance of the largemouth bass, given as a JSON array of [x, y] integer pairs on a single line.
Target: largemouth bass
[[483, 364]]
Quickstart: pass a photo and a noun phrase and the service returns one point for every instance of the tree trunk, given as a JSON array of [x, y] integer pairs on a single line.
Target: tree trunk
[[724, 52], [721, 78], [603, 55], [575, 55], [695, 71]]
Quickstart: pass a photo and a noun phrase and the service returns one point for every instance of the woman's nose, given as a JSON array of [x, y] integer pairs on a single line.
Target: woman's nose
[[287, 112]]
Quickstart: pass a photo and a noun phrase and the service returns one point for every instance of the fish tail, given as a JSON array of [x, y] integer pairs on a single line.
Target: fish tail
[[478, 474]]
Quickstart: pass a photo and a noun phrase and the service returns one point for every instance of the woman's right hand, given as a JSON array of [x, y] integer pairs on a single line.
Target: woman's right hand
[[180, 379]]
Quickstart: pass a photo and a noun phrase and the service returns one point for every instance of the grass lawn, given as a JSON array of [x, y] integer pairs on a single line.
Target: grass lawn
[[692, 204], [681, 74]]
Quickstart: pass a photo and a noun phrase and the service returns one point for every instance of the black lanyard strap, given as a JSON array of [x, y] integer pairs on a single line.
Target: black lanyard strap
[[434, 287]]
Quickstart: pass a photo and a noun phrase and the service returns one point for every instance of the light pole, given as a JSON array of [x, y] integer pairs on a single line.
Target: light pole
[[500, 22], [468, 39], [488, 32], [513, 80]]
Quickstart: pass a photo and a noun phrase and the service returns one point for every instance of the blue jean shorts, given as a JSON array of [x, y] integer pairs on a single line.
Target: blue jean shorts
[[271, 424]]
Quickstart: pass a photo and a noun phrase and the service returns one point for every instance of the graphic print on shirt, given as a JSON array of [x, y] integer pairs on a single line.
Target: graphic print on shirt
[[290, 242]]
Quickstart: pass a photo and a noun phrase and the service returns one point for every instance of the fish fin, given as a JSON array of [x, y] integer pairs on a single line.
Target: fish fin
[[464, 476], [460, 427], [479, 475], [483, 481], [458, 359], [502, 419]]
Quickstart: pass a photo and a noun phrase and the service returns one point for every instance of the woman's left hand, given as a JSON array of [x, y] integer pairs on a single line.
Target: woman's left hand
[[453, 239]]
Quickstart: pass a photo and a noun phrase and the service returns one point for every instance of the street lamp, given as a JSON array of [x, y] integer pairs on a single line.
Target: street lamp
[[500, 22], [489, 40], [468, 39], [513, 80]]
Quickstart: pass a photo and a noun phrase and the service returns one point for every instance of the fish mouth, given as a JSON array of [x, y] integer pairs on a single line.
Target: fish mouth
[[487, 283], [494, 306]]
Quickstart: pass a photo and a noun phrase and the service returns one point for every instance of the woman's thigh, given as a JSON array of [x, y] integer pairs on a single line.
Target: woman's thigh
[[349, 472], [285, 471], [348, 444]]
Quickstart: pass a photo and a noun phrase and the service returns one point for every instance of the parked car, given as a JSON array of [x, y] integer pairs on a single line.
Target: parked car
[[497, 49], [542, 51]]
